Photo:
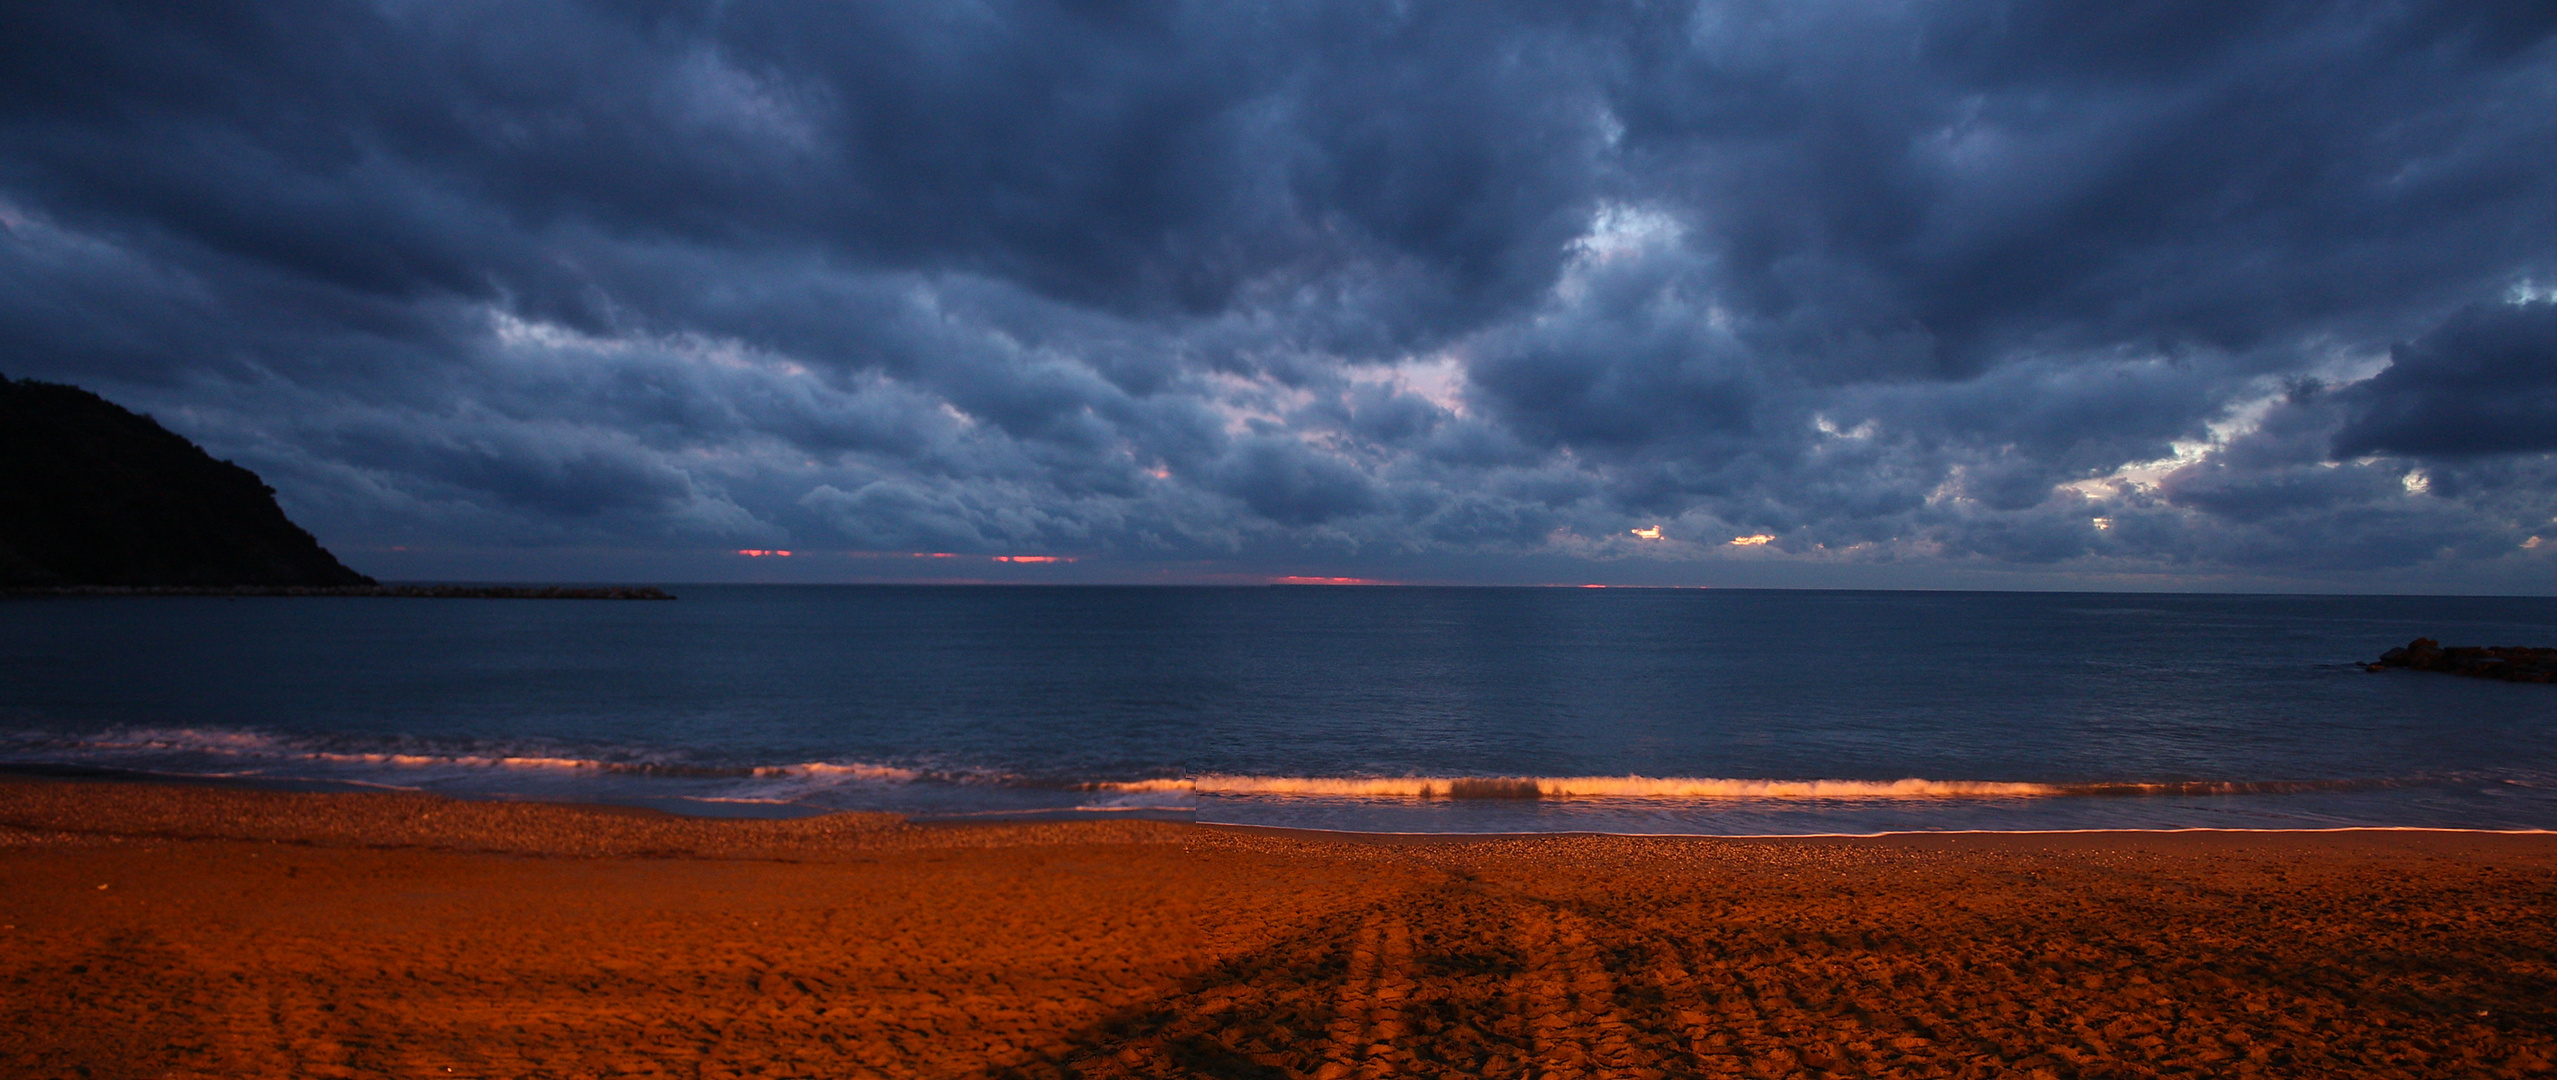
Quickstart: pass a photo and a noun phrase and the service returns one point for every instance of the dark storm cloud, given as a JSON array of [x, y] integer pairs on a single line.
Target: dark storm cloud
[[2171, 287], [2484, 383], [1288, 482]]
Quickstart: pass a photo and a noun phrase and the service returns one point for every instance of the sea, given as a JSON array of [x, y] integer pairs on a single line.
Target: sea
[[1378, 709]]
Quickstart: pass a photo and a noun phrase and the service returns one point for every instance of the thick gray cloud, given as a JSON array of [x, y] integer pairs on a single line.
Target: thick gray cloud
[[2485, 383], [2166, 293]]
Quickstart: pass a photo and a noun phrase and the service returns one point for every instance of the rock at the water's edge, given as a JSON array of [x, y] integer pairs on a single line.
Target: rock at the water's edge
[[2510, 663]]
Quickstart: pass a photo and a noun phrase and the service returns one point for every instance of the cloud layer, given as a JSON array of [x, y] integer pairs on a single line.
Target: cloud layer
[[2171, 293]]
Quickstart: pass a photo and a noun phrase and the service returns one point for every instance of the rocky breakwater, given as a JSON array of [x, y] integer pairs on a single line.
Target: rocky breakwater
[[2511, 663]]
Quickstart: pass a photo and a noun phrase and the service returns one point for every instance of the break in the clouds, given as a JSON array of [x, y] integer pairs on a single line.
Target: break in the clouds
[[2108, 293]]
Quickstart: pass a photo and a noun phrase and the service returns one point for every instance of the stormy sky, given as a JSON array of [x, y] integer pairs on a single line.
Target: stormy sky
[[2118, 294]]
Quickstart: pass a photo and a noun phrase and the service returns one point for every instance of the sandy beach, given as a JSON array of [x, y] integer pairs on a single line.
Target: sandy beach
[[196, 931]]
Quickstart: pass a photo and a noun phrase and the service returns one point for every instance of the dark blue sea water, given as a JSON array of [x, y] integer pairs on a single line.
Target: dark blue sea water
[[1402, 709]]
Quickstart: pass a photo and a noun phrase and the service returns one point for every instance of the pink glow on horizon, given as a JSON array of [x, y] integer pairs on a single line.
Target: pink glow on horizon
[[1034, 558], [757, 553], [1298, 580]]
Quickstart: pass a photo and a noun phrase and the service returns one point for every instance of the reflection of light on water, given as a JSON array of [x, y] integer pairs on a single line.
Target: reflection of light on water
[[1741, 817], [1587, 787], [1754, 540]]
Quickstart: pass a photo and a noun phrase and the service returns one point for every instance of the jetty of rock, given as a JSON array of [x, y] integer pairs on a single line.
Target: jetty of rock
[[2511, 663]]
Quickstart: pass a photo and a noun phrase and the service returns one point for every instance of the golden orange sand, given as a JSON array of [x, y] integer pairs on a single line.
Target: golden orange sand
[[177, 931]]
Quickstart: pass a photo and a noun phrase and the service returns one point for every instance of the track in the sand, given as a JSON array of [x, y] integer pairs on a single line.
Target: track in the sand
[[1465, 981]]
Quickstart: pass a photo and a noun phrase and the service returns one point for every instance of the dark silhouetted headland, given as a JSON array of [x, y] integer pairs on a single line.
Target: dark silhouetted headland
[[92, 494], [98, 500], [429, 592]]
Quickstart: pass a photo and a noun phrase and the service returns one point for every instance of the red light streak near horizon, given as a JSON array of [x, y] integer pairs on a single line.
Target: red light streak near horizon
[[757, 553], [1294, 580], [1033, 558]]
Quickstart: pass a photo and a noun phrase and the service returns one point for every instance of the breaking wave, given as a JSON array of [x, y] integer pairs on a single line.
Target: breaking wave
[[263, 752], [528, 765], [1692, 787]]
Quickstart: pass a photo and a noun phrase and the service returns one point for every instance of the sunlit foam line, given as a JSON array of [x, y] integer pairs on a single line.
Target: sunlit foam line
[[2226, 787], [260, 747], [830, 770], [1565, 787], [814, 769], [1479, 837], [254, 777], [527, 763], [1647, 787], [216, 742]]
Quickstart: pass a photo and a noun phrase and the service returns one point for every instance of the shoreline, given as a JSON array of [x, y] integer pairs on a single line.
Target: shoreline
[[155, 929], [89, 774], [67, 773]]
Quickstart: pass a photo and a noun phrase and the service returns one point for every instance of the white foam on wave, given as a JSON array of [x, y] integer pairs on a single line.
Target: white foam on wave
[[181, 739], [834, 770], [1569, 787], [252, 747], [230, 751], [1680, 787]]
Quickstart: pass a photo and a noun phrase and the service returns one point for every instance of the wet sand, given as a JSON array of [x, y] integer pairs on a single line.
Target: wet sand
[[185, 931]]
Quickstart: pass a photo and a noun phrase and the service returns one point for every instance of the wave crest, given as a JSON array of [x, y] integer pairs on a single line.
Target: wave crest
[[194, 750], [1686, 787], [258, 748]]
